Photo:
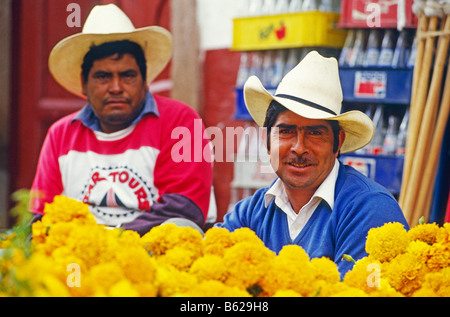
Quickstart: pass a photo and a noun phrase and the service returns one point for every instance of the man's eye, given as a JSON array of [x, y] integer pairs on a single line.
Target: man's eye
[[100, 76], [286, 131]]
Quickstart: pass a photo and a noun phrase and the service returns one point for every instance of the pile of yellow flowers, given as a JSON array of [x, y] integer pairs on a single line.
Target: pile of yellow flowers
[[71, 255]]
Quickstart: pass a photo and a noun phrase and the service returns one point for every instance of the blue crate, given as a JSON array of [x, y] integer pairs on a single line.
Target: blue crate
[[377, 85]]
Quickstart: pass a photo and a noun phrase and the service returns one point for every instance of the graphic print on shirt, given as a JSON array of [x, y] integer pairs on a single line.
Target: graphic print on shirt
[[116, 194]]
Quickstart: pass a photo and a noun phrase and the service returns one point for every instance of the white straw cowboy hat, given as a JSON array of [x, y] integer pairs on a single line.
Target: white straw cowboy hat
[[312, 90], [107, 23]]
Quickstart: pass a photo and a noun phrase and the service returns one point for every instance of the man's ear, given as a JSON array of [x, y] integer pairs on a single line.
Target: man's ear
[[341, 139]]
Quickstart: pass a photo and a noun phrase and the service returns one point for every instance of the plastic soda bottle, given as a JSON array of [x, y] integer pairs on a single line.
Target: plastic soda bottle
[[402, 49], [295, 6], [309, 5], [402, 134], [390, 140], [375, 146], [347, 49], [387, 49], [373, 49], [244, 69]]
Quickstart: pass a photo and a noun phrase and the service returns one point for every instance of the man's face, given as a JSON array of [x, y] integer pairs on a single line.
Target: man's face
[[301, 150], [116, 91]]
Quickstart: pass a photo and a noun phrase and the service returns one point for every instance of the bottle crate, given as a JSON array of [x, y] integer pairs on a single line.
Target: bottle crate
[[301, 29]]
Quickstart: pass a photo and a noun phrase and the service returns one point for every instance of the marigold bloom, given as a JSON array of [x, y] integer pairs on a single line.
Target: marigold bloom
[[213, 288], [436, 282], [165, 237], [179, 257], [286, 293], [247, 263], [405, 273], [426, 232], [216, 240], [123, 288], [386, 242], [244, 234], [325, 270], [290, 270], [171, 282], [137, 265], [365, 275], [209, 267], [65, 209]]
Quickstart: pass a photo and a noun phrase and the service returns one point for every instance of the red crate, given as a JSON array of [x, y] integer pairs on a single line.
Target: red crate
[[374, 13]]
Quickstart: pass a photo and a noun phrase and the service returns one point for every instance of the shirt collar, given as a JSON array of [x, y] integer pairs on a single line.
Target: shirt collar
[[90, 120], [325, 191]]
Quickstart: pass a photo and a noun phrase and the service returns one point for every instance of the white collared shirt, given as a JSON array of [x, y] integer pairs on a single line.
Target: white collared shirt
[[296, 222]]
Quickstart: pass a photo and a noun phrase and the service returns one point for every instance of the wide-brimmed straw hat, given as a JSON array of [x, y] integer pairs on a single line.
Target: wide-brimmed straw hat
[[312, 90], [107, 23]]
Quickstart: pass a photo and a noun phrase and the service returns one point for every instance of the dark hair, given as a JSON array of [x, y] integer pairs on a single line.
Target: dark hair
[[275, 108], [107, 49]]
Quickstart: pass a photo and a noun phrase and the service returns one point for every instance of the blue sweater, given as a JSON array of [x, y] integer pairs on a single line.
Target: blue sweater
[[360, 204]]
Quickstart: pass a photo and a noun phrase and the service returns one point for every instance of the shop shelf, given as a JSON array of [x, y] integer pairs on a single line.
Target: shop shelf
[[291, 30]]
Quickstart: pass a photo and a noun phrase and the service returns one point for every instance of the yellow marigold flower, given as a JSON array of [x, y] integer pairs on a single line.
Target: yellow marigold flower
[[405, 273], [35, 272], [165, 237], [209, 267], [419, 248], [49, 238], [104, 275], [247, 263], [443, 236], [179, 257], [171, 282], [39, 232], [426, 232], [51, 286], [286, 293], [424, 292], [123, 288], [325, 269], [137, 264], [5, 240], [93, 244], [244, 234], [438, 256], [294, 253], [216, 240], [290, 270], [435, 284], [386, 242], [325, 289], [213, 288], [385, 290], [365, 275], [439, 282], [65, 209], [351, 292], [146, 289], [128, 238]]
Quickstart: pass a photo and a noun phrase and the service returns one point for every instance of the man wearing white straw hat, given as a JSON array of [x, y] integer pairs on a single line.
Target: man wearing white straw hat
[[316, 202], [115, 154]]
